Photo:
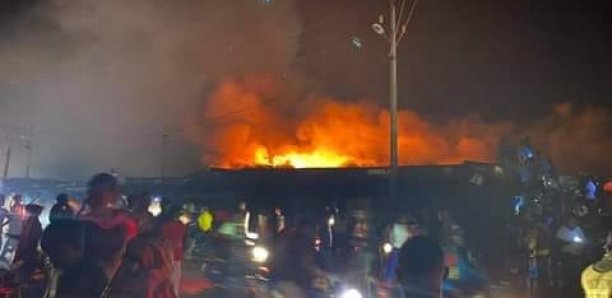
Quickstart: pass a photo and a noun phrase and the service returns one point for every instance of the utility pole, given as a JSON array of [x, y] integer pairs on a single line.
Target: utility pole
[[7, 162], [394, 36], [393, 39]]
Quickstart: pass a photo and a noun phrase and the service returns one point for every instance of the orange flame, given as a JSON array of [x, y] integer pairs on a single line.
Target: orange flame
[[275, 129], [319, 158]]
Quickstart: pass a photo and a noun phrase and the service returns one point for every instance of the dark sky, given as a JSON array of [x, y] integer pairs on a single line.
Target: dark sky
[[502, 59]]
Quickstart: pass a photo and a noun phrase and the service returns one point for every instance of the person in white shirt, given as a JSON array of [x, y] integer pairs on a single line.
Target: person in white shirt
[[398, 234]]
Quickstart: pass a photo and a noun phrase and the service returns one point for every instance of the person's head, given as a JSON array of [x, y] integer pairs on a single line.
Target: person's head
[[62, 199], [16, 203], [278, 211], [64, 242], [165, 204], [102, 191], [139, 203], [33, 210], [18, 199], [174, 211], [572, 222], [421, 260]]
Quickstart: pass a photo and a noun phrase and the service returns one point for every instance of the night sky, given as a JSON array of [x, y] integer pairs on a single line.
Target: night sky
[[505, 61], [502, 59]]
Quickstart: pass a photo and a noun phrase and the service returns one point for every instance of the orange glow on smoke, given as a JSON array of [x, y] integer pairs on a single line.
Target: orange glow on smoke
[[277, 130]]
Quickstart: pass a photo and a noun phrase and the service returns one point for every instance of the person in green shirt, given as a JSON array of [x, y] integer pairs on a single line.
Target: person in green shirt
[[206, 220]]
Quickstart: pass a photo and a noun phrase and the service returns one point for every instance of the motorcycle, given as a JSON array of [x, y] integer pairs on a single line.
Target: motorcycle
[[237, 267]]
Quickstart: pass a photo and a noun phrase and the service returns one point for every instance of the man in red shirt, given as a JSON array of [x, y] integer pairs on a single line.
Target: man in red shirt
[[175, 232]]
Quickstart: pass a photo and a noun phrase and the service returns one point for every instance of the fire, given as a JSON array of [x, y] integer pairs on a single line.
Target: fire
[[276, 129], [319, 158]]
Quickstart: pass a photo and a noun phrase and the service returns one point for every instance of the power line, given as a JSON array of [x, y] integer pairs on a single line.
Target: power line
[[222, 116], [169, 132]]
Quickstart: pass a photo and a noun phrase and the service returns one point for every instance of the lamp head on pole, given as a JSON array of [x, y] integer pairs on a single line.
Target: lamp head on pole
[[378, 28]]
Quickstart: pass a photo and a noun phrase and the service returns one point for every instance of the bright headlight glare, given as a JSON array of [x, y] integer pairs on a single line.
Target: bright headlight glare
[[577, 239], [260, 254], [252, 235], [351, 293], [184, 218], [387, 248]]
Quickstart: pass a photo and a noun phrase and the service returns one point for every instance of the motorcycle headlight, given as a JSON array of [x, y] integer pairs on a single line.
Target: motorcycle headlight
[[351, 293], [260, 254], [252, 235], [387, 248]]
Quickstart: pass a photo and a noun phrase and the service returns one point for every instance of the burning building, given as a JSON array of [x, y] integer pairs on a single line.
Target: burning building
[[274, 128]]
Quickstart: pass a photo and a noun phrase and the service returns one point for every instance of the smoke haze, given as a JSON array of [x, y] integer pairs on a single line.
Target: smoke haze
[[92, 85], [577, 140]]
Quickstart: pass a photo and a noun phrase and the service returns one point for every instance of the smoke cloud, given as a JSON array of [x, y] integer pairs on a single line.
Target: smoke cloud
[[91, 85], [577, 140]]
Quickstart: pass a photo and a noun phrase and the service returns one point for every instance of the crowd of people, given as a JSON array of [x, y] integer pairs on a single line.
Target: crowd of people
[[100, 249], [560, 225], [106, 246]]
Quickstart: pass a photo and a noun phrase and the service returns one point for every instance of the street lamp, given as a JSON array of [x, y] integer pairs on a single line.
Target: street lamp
[[394, 37]]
